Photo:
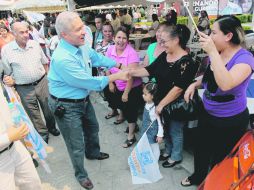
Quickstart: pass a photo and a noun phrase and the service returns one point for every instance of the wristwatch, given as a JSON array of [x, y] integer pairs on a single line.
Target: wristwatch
[[120, 65]]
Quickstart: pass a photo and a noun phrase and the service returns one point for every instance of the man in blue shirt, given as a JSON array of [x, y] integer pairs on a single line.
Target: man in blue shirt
[[70, 81]]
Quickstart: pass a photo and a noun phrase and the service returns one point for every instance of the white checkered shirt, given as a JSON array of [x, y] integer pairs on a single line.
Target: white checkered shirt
[[25, 65]]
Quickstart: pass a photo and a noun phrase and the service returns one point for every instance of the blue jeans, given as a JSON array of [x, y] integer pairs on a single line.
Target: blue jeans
[[174, 139], [79, 128]]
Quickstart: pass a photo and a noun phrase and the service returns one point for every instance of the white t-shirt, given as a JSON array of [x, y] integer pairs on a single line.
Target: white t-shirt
[[153, 117], [53, 42]]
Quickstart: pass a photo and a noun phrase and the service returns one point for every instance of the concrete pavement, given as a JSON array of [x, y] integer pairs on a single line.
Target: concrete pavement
[[110, 174]]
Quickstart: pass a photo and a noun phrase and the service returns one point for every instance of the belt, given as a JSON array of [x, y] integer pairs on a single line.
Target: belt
[[70, 100], [7, 148], [33, 83], [224, 98]]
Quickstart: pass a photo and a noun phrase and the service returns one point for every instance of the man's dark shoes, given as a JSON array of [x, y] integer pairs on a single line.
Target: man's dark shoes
[[102, 156], [54, 131], [170, 164], [86, 183]]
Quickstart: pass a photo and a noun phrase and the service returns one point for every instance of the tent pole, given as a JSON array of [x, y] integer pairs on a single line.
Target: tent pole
[[252, 24], [189, 18]]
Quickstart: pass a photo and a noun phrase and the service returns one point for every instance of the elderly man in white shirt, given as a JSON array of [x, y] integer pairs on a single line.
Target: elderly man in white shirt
[[25, 66], [16, 168]]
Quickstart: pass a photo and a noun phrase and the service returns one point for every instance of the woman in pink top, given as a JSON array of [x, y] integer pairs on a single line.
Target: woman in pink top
[[124, 95]]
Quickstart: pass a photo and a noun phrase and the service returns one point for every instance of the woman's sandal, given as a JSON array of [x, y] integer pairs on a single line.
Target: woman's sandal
[[130, 142], [136, 129], [110, 115], [186, 182], [119, 121]]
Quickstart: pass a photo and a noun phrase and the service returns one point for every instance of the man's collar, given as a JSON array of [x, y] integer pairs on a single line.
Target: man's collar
[[71, 48], [17, 47]]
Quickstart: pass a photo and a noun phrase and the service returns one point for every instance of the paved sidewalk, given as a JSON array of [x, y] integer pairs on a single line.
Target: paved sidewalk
[[110, 174]]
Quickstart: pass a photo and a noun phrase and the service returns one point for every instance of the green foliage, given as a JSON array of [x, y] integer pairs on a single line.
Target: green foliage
[[212, 20], [246, 27], [182, 20], [243, 18], [249, 17]]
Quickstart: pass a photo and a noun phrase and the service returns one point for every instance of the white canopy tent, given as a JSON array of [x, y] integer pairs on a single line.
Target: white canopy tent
[[33, 5], [6, 4], [23, 4], [124, 4]]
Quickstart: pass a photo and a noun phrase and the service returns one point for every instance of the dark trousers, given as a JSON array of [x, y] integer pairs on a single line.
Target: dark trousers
[[80, 129], [214, 139], [32, 95], [129, 108]]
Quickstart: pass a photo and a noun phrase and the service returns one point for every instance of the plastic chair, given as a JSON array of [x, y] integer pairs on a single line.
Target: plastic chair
[[145, 42]]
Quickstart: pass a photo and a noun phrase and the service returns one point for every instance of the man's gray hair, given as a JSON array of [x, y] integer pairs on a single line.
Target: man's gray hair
[[64, 21], [13, 26]]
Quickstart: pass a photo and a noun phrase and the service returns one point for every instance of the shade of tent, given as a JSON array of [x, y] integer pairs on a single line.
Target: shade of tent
[[40, 5], [88, 3]]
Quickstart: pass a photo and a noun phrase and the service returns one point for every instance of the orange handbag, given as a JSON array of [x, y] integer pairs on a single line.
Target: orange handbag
[[236, 171]]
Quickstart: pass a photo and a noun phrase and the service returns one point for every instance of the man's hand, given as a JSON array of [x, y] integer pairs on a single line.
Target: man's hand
[[8, 80], [17, 133], [121, 75], [124, 75]]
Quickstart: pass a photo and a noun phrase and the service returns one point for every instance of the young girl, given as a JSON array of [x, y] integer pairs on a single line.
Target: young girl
[[151, 120]]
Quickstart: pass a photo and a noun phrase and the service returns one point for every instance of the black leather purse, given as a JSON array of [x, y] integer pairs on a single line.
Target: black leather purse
[[180, 110]]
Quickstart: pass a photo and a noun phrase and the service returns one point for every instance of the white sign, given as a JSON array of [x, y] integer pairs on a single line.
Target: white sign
[[223, 7]]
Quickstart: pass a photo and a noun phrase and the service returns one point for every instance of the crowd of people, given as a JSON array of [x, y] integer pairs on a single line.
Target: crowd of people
[[54, 68]]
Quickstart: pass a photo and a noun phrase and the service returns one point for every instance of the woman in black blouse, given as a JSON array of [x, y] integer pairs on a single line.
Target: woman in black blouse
[[173, 70]]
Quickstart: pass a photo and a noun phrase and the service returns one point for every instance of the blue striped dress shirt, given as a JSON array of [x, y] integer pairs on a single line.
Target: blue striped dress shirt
[[70, 73]]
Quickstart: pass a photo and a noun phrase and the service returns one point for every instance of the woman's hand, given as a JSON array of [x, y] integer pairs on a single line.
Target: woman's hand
[[125, 97], [158, 109], [112, 87], [206, 43], [189, 93], [159, 139]]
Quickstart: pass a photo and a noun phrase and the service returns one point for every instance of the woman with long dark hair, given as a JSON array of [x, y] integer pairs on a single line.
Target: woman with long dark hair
[[224, 116]]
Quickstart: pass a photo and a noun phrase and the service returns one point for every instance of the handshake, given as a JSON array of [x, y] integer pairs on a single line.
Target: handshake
[[126, 73]]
